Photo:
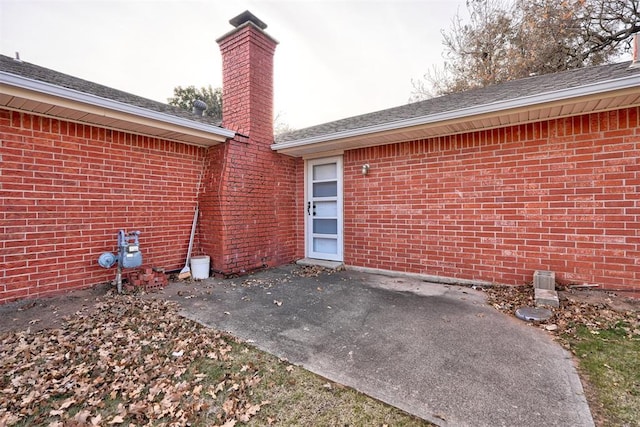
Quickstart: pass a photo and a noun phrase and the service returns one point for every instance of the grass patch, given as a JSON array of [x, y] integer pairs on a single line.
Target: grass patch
[[609, 359], [291, 396], [299, 397]]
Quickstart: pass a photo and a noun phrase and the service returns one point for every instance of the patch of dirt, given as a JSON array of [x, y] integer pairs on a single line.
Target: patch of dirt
[[49, 312], [617, 302], [597, 310]]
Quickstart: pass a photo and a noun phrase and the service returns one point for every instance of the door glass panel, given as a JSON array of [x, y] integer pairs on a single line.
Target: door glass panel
[[325, 226], [325, 189], [326, 209], [327, 246], [322, 172]]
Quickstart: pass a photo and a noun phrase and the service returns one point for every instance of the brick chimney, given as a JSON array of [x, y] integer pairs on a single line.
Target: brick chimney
[[247, 78], [635, 44], [249, 203]]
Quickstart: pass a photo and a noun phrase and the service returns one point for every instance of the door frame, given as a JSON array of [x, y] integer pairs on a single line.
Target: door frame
[[308, 223]]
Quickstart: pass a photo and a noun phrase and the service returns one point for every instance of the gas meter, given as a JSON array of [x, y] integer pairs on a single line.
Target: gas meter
[[128, 256]]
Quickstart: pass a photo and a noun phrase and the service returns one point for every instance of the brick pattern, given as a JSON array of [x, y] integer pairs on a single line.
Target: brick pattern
[[145, 278], [300, 213], [497, 205], [66, 189], [250, 196], [247, 82]]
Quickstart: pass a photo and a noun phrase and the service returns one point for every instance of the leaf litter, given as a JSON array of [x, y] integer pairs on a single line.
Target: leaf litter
[[595, 310], [130, 361], [313, 271]]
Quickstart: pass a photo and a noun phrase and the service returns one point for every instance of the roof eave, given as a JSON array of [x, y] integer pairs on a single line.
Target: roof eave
[[354, 138], [125, 117]]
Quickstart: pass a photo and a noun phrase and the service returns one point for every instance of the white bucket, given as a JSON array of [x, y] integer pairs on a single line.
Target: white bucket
[[200, 266]]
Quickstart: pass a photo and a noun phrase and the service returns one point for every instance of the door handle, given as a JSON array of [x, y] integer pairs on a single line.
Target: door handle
[[308, 208]]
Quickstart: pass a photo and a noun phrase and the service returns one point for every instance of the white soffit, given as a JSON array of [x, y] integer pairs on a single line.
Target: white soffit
[[598, 97], [33, 96]]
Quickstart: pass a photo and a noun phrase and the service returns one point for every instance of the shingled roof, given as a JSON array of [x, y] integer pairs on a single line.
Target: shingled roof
[[531, 88], [35, 72]]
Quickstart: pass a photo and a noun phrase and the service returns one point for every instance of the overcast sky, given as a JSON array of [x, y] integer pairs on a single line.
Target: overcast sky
[[335, 59]]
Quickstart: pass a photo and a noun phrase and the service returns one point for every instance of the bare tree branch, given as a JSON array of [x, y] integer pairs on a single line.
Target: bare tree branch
[[507, 40]]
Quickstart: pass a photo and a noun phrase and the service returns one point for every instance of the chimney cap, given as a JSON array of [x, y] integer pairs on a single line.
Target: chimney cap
[[245, 17]]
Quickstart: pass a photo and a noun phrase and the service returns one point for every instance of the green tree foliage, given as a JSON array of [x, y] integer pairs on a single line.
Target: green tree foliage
[[185, 97], [504, 40]]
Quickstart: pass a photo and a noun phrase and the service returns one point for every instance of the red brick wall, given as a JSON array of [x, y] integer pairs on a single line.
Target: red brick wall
[[250, 199], [300, 209], [247, 83], [66, 189], [210, 226], [250, 207], [496, 205]]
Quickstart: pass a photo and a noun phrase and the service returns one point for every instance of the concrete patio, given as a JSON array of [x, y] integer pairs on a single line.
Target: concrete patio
[[436, 351]]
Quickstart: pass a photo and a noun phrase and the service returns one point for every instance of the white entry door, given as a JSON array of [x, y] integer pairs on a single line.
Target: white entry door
[[324, 209]]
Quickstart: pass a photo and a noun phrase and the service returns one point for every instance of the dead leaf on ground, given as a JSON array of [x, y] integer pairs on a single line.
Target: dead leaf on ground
[[116, 420], [595, 310], [135, 352]]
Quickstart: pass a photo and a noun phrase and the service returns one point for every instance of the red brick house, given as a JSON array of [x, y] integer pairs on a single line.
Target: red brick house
[[81, 161], [483, 186], [488, 185]]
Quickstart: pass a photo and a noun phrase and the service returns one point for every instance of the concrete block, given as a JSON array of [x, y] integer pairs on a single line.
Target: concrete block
[[544, 280], [547, 297]]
